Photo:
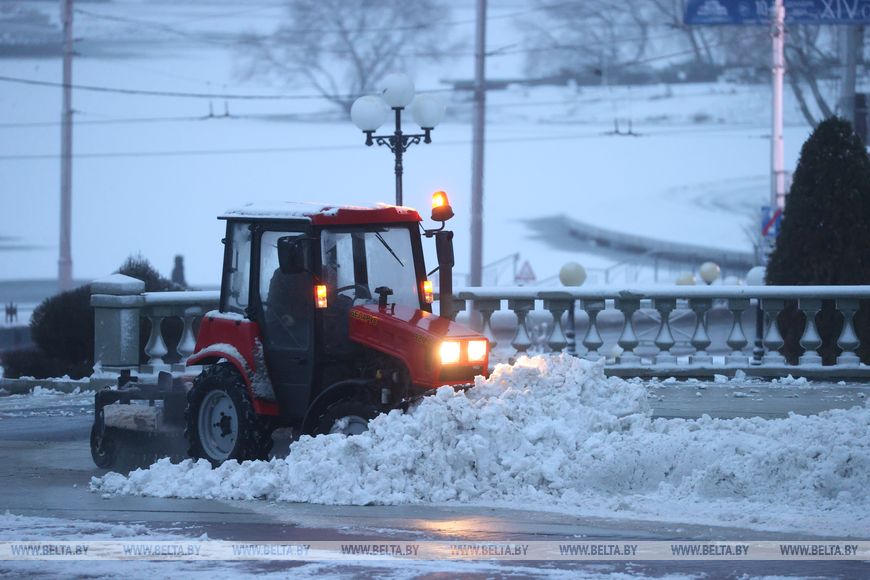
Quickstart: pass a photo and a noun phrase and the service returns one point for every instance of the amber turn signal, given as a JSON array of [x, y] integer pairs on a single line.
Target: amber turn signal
[[428, 295], [320, 296]]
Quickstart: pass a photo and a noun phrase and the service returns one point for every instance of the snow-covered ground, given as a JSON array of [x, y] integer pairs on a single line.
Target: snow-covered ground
[[697, 173], [47, 402], [18, 528], [555, 433]]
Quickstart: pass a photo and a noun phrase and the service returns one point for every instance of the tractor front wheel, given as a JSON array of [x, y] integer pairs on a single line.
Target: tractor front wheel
[[221, 422], [347, 416]]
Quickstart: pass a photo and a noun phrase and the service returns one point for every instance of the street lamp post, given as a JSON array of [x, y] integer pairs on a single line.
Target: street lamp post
[[571, 274], [371, 111], [755, 277]]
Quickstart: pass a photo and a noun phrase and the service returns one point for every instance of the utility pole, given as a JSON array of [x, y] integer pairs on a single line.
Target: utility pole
[[850, 42], [477, 151], [64, 265], [777, 148]]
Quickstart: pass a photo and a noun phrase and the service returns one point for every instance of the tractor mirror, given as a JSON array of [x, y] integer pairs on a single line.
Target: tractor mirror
[[444, 249], [294, 254]]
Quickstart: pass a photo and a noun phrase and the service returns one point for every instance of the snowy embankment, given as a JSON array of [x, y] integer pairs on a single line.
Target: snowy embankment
[[47, 402], [555, 433]]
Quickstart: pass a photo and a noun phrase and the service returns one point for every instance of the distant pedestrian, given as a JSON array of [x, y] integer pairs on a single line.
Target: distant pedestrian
[[11, 313]]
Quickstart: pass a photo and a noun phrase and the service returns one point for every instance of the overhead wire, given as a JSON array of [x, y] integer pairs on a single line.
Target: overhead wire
[[304, 148]]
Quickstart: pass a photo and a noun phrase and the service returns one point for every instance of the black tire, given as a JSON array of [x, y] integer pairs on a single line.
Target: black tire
[[249, 439], [104, 444], [353, 409]]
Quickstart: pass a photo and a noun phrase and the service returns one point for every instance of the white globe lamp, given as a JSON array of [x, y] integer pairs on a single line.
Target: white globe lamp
[[428, 110], [397, 89], [572, 274], [709, 272], [369, 112]]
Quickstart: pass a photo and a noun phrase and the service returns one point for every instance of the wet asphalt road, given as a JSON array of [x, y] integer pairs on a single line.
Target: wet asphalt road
[[46, 468]]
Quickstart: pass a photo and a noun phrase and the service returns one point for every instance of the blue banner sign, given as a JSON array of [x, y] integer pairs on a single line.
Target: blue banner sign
[[757, 12], [771, 220]]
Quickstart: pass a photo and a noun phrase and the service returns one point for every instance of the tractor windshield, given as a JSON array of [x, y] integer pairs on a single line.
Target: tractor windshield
[[358, 261]]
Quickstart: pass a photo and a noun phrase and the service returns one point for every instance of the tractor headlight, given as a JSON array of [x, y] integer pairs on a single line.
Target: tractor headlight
[[450, 351], [477, 350]]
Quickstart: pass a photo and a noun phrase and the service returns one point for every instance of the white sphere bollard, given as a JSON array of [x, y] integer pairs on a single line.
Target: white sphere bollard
[[686, 279], [572, 274], [756, 276], [709, 272]]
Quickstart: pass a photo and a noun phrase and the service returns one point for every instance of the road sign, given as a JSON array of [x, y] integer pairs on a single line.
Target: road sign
[[758, 12], [526, 274], [770, 222]]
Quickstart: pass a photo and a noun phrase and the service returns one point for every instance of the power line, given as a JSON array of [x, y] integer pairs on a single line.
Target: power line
[[146, 120], [169, 28], [168, 93], [303, 148], [131, 120], [225, 96]]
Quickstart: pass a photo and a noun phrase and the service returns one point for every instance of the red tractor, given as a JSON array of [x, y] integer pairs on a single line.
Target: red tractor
[[325, 321]]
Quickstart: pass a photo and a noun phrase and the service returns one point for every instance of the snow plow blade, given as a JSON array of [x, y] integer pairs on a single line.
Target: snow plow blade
[[137, 423]]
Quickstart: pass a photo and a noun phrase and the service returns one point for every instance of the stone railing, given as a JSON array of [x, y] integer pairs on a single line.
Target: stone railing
[[666, 330], [643, 331], [120, 307]]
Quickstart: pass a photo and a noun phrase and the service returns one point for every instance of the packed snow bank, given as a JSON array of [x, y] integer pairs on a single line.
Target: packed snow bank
[[555, 433]]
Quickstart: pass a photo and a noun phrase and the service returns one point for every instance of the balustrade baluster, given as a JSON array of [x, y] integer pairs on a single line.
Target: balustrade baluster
[[665, 339], [187, 342], [772, 339], [810, 340], [737, 340], [592, 341], [156, 346], [628, 340], [486, 309], [521, 308], [848, 340], [700, 338], [557, 303]]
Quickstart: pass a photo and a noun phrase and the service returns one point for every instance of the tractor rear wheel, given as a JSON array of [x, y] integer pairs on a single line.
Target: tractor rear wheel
[[220, 420], [347, 416]]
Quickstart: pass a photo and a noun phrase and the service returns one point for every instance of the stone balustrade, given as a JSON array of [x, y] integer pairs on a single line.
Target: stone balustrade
[[638, 331], [666, 330], [120, 306]]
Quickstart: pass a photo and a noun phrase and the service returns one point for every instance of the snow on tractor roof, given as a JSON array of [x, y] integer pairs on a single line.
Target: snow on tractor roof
[[323, 214]]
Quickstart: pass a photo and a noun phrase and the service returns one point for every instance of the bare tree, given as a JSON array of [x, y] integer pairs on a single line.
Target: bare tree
[[579, 37], [342, 48], [669, 13]]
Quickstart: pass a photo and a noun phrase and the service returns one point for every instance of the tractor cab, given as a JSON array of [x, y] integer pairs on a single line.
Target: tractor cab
[[326, 313]]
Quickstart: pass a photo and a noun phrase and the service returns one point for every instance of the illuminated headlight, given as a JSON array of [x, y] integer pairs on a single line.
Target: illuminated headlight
[[450, 350], [477, 350]]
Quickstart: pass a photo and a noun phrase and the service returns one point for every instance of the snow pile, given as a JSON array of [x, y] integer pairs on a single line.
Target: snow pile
[[554, 432], [47, 402]]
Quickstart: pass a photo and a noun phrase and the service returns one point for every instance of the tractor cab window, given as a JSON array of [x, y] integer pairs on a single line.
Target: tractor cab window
[[286, 299], [238, 275], [357, 262]]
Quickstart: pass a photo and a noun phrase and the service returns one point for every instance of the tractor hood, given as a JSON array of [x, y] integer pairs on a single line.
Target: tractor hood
[[414, 336]]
